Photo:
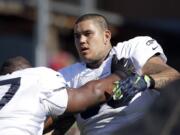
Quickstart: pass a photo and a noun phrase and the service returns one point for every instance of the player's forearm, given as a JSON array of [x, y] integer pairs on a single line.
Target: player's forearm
[[160, 72], [92, 93], [165, 77], [48, 125], [60, 124], [101, 90], [63, 124], [105, 86]]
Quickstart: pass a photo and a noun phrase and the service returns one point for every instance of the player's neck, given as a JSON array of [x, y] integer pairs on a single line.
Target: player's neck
[[97, 64], [94, 64]]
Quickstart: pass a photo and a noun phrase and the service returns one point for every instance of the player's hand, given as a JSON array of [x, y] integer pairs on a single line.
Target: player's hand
[[123, 67], [128, 88]]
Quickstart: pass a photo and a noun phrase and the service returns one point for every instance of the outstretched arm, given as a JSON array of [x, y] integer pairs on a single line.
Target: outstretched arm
[[79, 100], [90, 94], [99, 91]]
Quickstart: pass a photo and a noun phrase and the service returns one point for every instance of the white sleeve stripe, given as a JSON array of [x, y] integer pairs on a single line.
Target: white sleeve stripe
[[55, 90]]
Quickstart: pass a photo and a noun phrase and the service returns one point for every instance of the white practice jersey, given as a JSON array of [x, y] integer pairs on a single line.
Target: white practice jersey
[[111, 117], [27, 97]]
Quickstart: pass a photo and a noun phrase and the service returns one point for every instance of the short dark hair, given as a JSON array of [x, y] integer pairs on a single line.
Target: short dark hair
[[102, 21], [13, 64]]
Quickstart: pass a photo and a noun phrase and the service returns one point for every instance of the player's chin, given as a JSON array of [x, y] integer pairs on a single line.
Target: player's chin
[[86, 58]]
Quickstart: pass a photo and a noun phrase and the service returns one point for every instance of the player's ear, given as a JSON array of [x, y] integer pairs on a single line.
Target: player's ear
[[107, 36]]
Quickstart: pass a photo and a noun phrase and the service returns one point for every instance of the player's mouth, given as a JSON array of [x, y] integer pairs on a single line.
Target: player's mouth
[[84, 50]]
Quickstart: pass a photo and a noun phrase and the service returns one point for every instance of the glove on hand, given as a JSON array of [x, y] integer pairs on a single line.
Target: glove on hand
[[123, 67], [128, 88]]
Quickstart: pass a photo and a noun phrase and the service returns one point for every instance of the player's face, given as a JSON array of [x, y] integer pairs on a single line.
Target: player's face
[[91, 41]]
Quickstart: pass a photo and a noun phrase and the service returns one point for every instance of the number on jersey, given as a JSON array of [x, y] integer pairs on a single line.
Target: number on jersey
[[14, 85]]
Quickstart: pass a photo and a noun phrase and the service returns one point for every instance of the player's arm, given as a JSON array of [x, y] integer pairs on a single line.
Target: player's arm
[[67, 122], [99, 91], [90, 94], [48, 124], [60, 125], [161, 73], [155, 75]]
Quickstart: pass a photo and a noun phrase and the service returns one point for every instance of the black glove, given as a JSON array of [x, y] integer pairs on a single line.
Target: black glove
[[128, 88], [123, 67]]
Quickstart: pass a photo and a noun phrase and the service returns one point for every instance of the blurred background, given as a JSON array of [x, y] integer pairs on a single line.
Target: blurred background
[[42, 30]]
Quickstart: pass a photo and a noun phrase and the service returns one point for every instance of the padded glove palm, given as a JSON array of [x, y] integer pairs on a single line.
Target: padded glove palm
[[128, 88], [123, 67], [131, 82]]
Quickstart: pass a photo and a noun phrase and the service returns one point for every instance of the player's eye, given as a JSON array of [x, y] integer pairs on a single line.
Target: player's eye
[[88, 33]]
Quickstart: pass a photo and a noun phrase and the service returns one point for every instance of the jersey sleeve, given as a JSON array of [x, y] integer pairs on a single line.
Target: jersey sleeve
[[140, 49], [54, 95]]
